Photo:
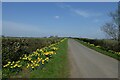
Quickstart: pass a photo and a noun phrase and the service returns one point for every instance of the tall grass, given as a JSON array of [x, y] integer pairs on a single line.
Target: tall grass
[[0, 74]]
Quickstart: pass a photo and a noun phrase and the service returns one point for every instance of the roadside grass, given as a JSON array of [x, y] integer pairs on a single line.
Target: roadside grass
[[57, 67], [0, 74], [115, 56]]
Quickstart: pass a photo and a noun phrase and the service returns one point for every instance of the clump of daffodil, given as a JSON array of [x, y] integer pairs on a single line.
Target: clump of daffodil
[[54, 48], [35, 59], [7, 64], [25, 57], [98, 46], [118, 53], [92, 44]]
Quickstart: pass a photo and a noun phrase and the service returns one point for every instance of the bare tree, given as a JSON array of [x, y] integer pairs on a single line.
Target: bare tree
[[112, 28]]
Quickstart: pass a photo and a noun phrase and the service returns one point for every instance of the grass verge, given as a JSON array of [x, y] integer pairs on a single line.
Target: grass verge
[[0, 74], [115, 56], [57, 67]]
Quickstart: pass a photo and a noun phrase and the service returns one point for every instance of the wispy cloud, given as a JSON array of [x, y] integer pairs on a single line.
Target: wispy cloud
[[85, 13], [96, 20], [56, 17], [63, 5], [80, 12]]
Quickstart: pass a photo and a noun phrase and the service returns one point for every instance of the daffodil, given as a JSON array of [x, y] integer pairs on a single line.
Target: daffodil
[[6, 65], [17, 61], [32, 61], [46, 53], [19, 65], [28, 65], [13, 62], [11, 67], [92, 44], [41, 50], [43, 61], [47, 59], [33, 67], [29, 58], [9, 62], [98, 46]]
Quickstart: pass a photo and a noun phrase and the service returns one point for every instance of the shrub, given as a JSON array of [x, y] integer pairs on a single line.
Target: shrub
[[14, 48]]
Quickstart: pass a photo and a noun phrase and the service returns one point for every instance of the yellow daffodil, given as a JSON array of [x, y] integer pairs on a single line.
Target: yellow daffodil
[[33, 67], [92, 44], [28, 66], [19, 65], [47, 59], [43, 61], [11, 67], [17, 61], [32, 61], [98, 46], [9, 62]]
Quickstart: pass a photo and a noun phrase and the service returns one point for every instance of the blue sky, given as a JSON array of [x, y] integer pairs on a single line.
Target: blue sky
[[38, 19]]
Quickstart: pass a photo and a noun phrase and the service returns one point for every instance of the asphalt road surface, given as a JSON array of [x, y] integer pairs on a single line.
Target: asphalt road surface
[[87, 63]]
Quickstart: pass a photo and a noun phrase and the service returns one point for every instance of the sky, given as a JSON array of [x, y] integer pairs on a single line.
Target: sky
[[64, 19], [60, 0]]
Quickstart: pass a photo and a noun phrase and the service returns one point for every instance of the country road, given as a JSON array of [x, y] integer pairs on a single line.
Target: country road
[[87, 63]]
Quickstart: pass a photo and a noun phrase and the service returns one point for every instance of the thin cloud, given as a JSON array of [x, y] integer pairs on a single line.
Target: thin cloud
[[96, 20], [63, 5], [80, 12], [56, 17], [85, 13]]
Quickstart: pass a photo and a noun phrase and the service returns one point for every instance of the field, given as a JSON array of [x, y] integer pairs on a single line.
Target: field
[[26, 56]]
